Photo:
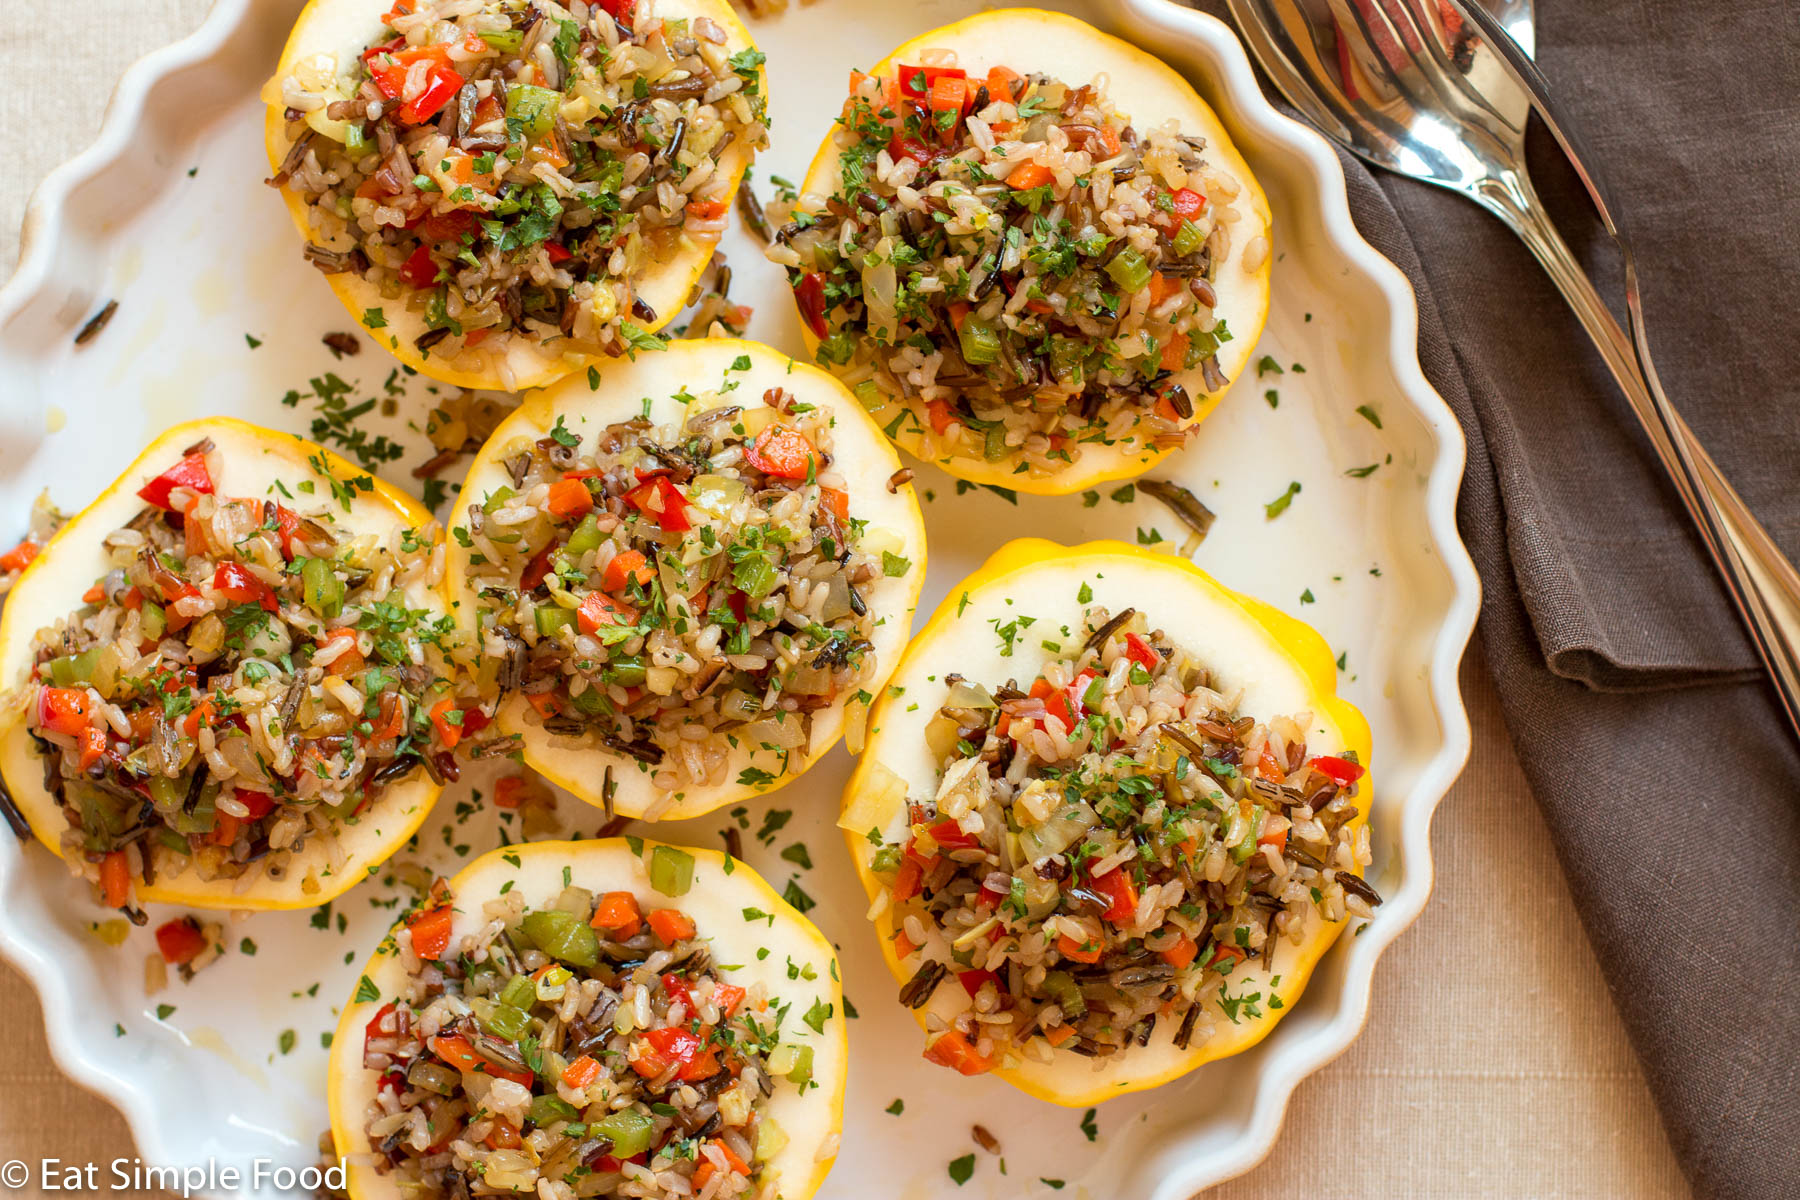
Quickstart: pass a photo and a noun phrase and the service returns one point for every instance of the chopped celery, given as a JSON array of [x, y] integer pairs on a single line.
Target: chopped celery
[[71, 669], [671, 870], [1129, 270], [994, 444], [501, 1020], [754, 575], [1061, 987], [504, 40], [496, 498], [550, 618], [980, 342], [356, 143], [1253, 830], [562, 936], [1188, 239], [156, 622], [322, 590], [885, 859], [592, 702], [870, 395], [629, 1130], [795, 1062], [547, 1110], [627, 670], [586, 537], [165, 793], [533, 107], [520, 991]]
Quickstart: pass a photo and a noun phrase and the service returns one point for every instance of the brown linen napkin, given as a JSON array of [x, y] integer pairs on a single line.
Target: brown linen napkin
[[1670, 781]]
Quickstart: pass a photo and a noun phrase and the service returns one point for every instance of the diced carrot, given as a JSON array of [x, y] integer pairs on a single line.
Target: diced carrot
[[836, 502], [618, 914], [737, 1165], [625, 566], [431, 932], [224, 830], [1029, 175], [1076, 951], [1162, 287], [706, 210], [458, 1053], [1181, 953], [20, 556], [856, 80], [581, 1072], [201, 714], [93, 595], [728, 996], [502, 1135], [115, 879], [959, 312], [671, 925], [508, 791], [782, 452], [1115, 885], [351, 661], [93, 746], [954, 1051], [544, 703], [949, 94], [568, 498], [1277, 839], [1174, 358], [1267, 766], [941, 416], [449, 732], [903, 945], [1224, 951], [703, 1174], [1001, 82], [1058, 1034], [597, 609], [476, 336], [907, 882]]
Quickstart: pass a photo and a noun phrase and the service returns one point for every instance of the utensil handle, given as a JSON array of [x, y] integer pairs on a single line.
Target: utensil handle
[[1763, 583]]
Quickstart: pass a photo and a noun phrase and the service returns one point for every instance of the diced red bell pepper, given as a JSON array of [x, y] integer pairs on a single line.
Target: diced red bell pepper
[[235, 582], [93, 746], [835, 501], [557, 252], [446, 227], [376, 1027], [950, 836], [1188, 204], [287, 527], [260, 804], [678, 989], [972, 981], [917, 82], [391, 67], [810, 293], [941, 416], [1141, 652], [1341, 771], [907, 882], [782, 452], [1056, 704], [180, 941], [664, 1048], [910, 147], [64, 710], [419, 271], [431, 932], [1181, 953], [537, 568], [1081, 952], [662, 501], [1115, 885], [727, 996], [190, 473]]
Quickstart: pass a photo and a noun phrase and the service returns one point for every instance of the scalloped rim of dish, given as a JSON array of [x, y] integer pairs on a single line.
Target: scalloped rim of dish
[[1212, 43]]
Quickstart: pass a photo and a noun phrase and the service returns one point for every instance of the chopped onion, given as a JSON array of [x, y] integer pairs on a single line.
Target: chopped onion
[[875, 804], [1061, 831], [783, 734]]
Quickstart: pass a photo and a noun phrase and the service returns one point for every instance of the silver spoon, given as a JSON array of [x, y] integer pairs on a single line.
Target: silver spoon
[[1438, 91]]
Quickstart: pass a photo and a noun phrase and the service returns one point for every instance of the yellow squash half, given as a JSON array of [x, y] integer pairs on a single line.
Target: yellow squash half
[[250, 461], [341, 30], [1281, 666], [1149, 92], [721, 893], [860, 451]]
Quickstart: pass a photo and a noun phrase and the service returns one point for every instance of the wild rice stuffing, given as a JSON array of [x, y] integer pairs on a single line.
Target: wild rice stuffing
[[1105, 847], [585, 1048], [245, 678], [1015, 262], [678, 590], [518, 165]]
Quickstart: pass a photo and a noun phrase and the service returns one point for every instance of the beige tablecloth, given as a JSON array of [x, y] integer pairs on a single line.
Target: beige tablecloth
[[1492, 1065]]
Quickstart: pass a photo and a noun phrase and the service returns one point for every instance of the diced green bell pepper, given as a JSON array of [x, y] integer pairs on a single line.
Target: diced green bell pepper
[[547, 1110], [1129, 270], [550, 618], [321, 589], [1061, 987], [520, 991], [533, 107], [1188, 239], [586, 537], [72, 669], [980, 342], [627, 670]]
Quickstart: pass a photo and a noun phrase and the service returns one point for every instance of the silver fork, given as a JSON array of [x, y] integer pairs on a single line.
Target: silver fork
[[1438, 91]]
